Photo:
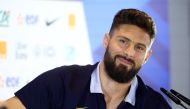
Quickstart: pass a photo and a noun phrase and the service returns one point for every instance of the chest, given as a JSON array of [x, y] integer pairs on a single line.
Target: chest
[[93, 101]]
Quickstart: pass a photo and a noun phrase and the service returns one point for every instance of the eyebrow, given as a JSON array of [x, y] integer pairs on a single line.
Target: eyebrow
[[141, 44]]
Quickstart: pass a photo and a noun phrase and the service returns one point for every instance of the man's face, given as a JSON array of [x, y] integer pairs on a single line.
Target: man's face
[[127, 49]]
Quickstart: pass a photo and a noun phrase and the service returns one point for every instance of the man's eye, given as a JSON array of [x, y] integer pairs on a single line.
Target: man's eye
[[140, 48], [122, 41]]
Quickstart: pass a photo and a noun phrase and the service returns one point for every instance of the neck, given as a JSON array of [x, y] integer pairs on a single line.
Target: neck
[[111, 88]]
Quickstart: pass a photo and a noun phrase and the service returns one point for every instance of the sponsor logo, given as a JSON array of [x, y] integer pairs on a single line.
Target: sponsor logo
[[72, 21], [27, 19], [3, 49], [24, 51], [21, 51], [69, 52], [44, 51], [31, 19], [9, 82], [20, 19], [1, 81], [4, 18], [50, 22]]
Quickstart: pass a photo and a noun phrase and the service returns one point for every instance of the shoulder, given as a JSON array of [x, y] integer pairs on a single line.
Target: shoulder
[[151, 97], [151, 93], [70, 72], [64, 75], [157, 98]]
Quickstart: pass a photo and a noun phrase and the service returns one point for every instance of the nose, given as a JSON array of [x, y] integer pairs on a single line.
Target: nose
[[129, 50]]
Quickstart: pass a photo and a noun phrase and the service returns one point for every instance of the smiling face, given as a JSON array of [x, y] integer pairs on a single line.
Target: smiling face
[[127, 49]]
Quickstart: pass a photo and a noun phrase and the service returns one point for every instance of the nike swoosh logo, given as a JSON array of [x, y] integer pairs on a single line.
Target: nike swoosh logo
[[48, 23]]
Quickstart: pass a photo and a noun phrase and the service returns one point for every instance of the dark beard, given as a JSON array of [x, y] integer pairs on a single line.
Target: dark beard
[[120, 73]]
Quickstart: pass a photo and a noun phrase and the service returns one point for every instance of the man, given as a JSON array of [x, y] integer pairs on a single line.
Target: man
[[112, 83]]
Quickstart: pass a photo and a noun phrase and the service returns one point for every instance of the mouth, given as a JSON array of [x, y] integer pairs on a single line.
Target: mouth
[[125, 61]]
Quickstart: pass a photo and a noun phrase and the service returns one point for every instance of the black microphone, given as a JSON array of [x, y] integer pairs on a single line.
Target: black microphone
[[173, 97], [180, 96]]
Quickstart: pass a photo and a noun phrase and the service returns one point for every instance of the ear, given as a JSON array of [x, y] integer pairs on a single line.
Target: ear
[[147, 56], [106, 40]]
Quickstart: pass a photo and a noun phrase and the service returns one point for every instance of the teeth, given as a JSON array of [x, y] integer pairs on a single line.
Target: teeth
[[125, 58]]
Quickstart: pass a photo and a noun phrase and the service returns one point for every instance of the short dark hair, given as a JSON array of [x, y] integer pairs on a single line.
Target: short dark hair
[[134, 17]]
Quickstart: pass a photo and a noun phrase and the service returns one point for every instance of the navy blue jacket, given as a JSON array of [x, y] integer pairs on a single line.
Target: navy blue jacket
[[68, 87]]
